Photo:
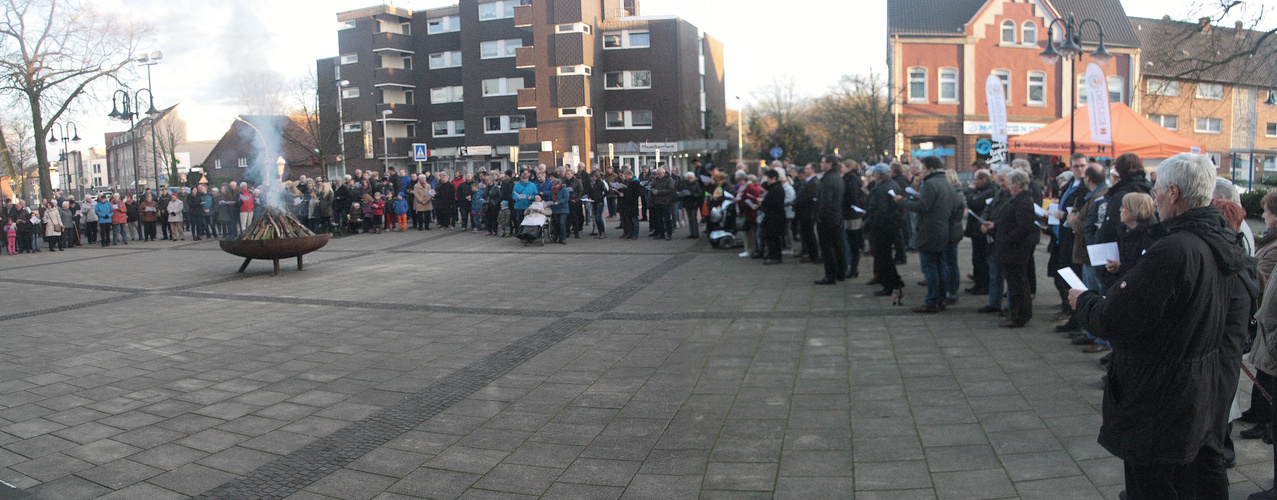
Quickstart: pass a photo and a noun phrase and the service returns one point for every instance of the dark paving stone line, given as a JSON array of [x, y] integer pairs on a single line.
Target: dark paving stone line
[[629, 289], [83, 286], [495, 311], [68, 261], [10, 492], [820, 313], [200, 284], [297, 470], [550, 253], [69, 307]]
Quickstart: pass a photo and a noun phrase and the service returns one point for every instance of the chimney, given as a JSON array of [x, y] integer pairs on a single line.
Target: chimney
[[1240, 31], [1203, 25]]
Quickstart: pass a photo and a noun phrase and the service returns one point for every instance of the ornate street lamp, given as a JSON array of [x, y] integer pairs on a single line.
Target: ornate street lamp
[[1071, 50]]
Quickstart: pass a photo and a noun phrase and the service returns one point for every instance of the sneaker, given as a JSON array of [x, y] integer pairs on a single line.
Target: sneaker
[[743, 255], [1096, 348]]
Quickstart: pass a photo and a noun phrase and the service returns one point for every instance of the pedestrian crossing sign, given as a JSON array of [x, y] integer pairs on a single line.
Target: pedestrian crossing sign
[[419, 152]]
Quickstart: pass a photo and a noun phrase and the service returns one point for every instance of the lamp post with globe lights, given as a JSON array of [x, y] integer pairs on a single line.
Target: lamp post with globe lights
[[66, 154], [1071, 49]]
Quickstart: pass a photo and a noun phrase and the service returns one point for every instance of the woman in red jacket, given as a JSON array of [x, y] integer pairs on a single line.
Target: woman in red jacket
[[119, 220]]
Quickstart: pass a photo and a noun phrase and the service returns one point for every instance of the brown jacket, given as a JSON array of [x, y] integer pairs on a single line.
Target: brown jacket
[[422, 200], [1266, 254], [1080, 256]]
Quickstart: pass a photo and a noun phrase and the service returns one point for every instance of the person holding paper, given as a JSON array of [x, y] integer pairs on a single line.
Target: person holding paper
[[883, 218], [1015, 237], [853, 198], [1132, 179], [978, 197], [935, 204], [1175, 364], [1084, 223]]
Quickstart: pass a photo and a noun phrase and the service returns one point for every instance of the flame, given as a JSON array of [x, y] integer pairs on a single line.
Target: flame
[[280, 165]]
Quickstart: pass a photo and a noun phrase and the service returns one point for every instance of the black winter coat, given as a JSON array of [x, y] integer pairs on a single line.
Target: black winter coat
[[805, 201], [773, 208], [445, 195], [1167, 318], [829, 199], [852, 195], [884, 215], [976, 198], [1015, 233]]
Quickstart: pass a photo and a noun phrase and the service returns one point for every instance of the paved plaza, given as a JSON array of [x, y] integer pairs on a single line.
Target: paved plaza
[[449, 365]]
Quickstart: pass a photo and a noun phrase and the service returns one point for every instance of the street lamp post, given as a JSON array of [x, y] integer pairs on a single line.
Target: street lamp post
[[1071, 50], [148, 60], [740, 131], [66, 154], [385, 138], [341, 125]]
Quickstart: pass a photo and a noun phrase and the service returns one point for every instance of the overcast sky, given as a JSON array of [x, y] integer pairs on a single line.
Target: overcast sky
[[206, 44]]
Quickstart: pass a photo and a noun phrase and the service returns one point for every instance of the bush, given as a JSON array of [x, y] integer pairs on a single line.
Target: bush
[[1250, 202], [1269, 180]]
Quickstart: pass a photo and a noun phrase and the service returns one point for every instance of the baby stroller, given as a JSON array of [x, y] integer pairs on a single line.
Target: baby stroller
[[722, 226]]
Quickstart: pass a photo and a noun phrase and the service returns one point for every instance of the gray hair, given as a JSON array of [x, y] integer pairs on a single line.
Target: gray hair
[[1018, 177], [1193, 175], [778, 164], [1022, 163], [1225, 190]]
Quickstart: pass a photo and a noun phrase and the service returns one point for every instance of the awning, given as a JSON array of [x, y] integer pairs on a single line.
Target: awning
[[1132, 133]]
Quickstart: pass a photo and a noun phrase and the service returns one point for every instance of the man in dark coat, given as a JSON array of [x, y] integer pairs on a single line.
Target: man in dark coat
[[935, 204], [663, 195], [828, 218], [808, 188], [853, 206], [445, 202], [1162, 404], [1015, 236], [773, 210], [883, 219], [979, 196]]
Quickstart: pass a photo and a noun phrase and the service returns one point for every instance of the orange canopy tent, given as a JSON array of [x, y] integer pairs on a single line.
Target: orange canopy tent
[[1132, 133]]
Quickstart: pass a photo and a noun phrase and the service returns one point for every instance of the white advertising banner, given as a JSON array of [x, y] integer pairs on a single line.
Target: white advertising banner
[[1097, 98], [996, 98]]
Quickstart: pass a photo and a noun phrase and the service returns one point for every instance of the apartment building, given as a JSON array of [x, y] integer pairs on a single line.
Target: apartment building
[[940, 52], [488, 84], [1190, 82]]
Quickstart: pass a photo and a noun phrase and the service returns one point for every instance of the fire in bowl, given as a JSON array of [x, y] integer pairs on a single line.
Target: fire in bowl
[[274, 236]]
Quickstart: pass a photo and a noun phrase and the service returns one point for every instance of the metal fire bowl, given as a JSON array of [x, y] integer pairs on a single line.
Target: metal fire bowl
[[274, 249]]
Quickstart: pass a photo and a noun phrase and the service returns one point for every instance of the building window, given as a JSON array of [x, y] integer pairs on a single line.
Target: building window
[[501, 9], [97, 169], [405, 29], [441, 95], [243, 162], [336, 73], [345, 25], [616, 80], [1081, 90], [1008, 32], [1037, 88], [408, 97], [627, 39], [1211, 91], [581, 111], [503, 124], [502, 86], [572, 28], [447, 24], [1029, 33], [350, 92], [412, 129], [579, 69], [1170, 122], [1163, 87], [1209, 126], [1005, 76], [948, 85], [1117, 89], [349, 58], [495, 49], [441, 60], [352, 127], [918, 84], [629, 119], [1271, 131], [450, 128], [217, 164]]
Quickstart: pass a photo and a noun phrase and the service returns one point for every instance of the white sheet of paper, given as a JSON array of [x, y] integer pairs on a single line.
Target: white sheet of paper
[[858, 209], [1071, 278], [1055, 207], [977, 217], [988, 201], [1037, 209], [891, 192], [911, 191], [1100, 253]]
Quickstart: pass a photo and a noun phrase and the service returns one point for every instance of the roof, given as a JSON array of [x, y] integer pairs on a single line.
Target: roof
[[1180, 50], [930, 17], [950, 17]]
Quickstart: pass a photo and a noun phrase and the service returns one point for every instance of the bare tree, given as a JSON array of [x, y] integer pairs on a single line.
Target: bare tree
[[1196, 49], [854, 117], [780, 102], [319, 140], [19, 153], [170, 133], [51, 53]]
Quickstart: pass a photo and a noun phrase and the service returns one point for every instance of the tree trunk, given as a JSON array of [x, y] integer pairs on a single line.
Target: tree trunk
[[8, 163], [38, 132]]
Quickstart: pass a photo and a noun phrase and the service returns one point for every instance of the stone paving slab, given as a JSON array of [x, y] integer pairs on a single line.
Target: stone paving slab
[[450, 365]]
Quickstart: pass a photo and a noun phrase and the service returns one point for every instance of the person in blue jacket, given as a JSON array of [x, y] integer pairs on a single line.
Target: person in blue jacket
[[524, 192], [544, 186], [103, 210], [401, 212], [559, 206]]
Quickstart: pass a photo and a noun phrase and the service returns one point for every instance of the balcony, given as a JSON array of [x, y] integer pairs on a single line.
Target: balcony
[[528, 98], [393, 76], [525, 57], [529, 136], [391, 41], [397, 112], [523, 16]]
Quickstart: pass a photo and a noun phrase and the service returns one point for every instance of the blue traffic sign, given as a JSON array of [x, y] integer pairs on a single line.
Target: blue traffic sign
[[983, 146], [419, 152], [776, 152]]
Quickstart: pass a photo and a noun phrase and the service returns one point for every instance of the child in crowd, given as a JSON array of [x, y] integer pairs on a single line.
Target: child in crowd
[[368, 219], [355, 219], [401, 212], [378, 212], [11, 236], [477, 201], [503, 220]]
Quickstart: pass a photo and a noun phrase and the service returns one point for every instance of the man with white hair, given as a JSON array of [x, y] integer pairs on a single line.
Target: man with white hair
[[663, 196], [1168, 392]]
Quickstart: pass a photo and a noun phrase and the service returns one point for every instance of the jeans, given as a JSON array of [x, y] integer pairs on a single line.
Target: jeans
[[561, 220], [995, 285], [951, 273], [120, 233], [1091, 278], [611, 206], [599, 225], [693, 226], [631, 223], [933, 271]]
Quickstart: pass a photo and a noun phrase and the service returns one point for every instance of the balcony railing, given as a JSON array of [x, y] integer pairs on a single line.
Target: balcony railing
[[528, 98], [523, 15], [525, 57], [396, 76], [388, 40]]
